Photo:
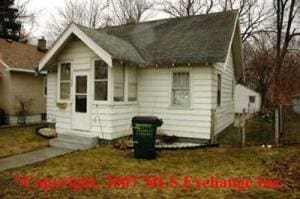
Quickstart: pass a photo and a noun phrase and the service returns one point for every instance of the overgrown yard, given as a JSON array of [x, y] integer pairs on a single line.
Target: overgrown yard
[[17, 140], [225, 162]]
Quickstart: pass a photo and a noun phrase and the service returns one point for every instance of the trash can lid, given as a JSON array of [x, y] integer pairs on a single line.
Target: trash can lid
[[147, 120]]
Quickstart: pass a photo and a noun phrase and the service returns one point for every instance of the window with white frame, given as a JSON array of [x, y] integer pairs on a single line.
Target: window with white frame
[[132, 84], [100, 80], [119, 82], [65, 81], [180, 89]]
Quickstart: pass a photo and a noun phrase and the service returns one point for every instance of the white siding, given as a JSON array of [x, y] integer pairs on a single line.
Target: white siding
[[225, 112], [109, 120], [113, 119], [242, 101], [154, 96]]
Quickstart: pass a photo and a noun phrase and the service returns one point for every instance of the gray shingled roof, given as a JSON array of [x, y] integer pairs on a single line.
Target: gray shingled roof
[[194, 39]]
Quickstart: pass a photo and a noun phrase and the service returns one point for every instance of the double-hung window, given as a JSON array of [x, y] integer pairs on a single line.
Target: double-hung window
[[65, 81], [100, 80], [119, 82], [180, 89]]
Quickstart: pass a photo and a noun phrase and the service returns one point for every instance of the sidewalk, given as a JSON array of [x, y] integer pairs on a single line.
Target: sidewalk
[[31, 157]]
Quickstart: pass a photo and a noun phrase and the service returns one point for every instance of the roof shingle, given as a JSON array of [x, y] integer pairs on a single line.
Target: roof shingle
[[193, 39], [19, 55]]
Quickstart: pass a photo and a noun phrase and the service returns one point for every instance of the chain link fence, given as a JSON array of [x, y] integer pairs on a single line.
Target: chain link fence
[[289, 124]]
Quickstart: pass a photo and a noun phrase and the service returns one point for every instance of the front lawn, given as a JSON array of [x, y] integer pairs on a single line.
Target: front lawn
[[225, 162], [17, 140]]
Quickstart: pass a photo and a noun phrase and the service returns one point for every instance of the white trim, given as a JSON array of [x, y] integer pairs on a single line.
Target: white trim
[[231, 40], [109, 71], [58, 82], [5, 65], [73, 29], [184, 70], [88, 99], [8, 68]]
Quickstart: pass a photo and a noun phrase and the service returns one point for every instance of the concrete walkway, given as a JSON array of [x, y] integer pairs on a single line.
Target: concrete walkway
[[31, 157]]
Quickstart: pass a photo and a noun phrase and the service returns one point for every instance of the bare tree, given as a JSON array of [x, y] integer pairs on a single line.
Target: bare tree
[[180, 8], [129, 11], [89, 13], [27, 17], [287, 29], [254, 15]]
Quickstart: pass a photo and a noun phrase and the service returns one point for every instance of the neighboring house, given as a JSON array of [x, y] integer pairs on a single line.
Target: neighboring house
[[247, 99], [176, 69], [18, 80], [296, 103]]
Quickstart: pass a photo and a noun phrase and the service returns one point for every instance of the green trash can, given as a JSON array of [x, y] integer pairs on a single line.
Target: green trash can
[[144, 133]]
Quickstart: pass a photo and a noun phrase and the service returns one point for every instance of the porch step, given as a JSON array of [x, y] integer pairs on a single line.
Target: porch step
[[74, 141], [83, 139]]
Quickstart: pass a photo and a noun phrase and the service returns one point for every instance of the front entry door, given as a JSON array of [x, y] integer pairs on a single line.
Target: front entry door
[[81, 112]]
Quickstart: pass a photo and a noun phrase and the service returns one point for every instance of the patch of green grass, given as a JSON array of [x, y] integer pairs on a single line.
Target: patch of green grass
[[17, 140], [225, 162]]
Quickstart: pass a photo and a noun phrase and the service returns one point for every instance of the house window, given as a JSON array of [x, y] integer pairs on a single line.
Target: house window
[[219, 90], [252, 99], [65, 81], [132, 84], [119, 82], [45, 86], [100, 80], [181, 89]]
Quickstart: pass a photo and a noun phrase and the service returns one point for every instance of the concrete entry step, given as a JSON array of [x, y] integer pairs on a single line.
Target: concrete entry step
[[74, 141]]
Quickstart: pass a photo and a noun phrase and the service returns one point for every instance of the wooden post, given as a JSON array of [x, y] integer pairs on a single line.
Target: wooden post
[[281, 124], [276, 127], [243, 127], [212, 125]]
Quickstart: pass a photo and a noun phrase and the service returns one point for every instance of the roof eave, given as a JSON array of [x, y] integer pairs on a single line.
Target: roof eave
[[62, 40]]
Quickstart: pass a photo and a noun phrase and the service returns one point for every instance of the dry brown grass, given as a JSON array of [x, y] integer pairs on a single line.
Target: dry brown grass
[[223, 162], [17, 140]]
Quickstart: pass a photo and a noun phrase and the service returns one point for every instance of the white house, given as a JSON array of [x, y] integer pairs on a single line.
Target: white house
[[247, 99], [176, 69]]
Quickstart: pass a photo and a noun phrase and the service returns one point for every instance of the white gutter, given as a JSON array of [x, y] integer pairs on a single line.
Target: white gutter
[[5, 65], [26, 71], [8, 68]]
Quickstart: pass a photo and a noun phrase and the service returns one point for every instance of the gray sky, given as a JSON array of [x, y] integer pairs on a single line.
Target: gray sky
[[48, 8]]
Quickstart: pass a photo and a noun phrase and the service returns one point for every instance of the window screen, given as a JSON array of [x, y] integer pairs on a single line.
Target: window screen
[[181, 89], [100, 80]]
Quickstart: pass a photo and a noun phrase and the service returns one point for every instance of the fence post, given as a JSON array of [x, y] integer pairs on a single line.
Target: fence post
[[243, 127], [212, 125], [276, 126], [281, 124]]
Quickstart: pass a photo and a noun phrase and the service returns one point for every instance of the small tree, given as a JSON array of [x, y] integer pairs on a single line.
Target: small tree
[[23, 110]]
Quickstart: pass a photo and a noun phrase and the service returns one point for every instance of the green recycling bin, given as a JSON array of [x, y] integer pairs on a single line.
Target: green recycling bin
[[144, 133]]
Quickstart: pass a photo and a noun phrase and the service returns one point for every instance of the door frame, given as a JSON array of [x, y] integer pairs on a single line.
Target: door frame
[[73, 98]]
